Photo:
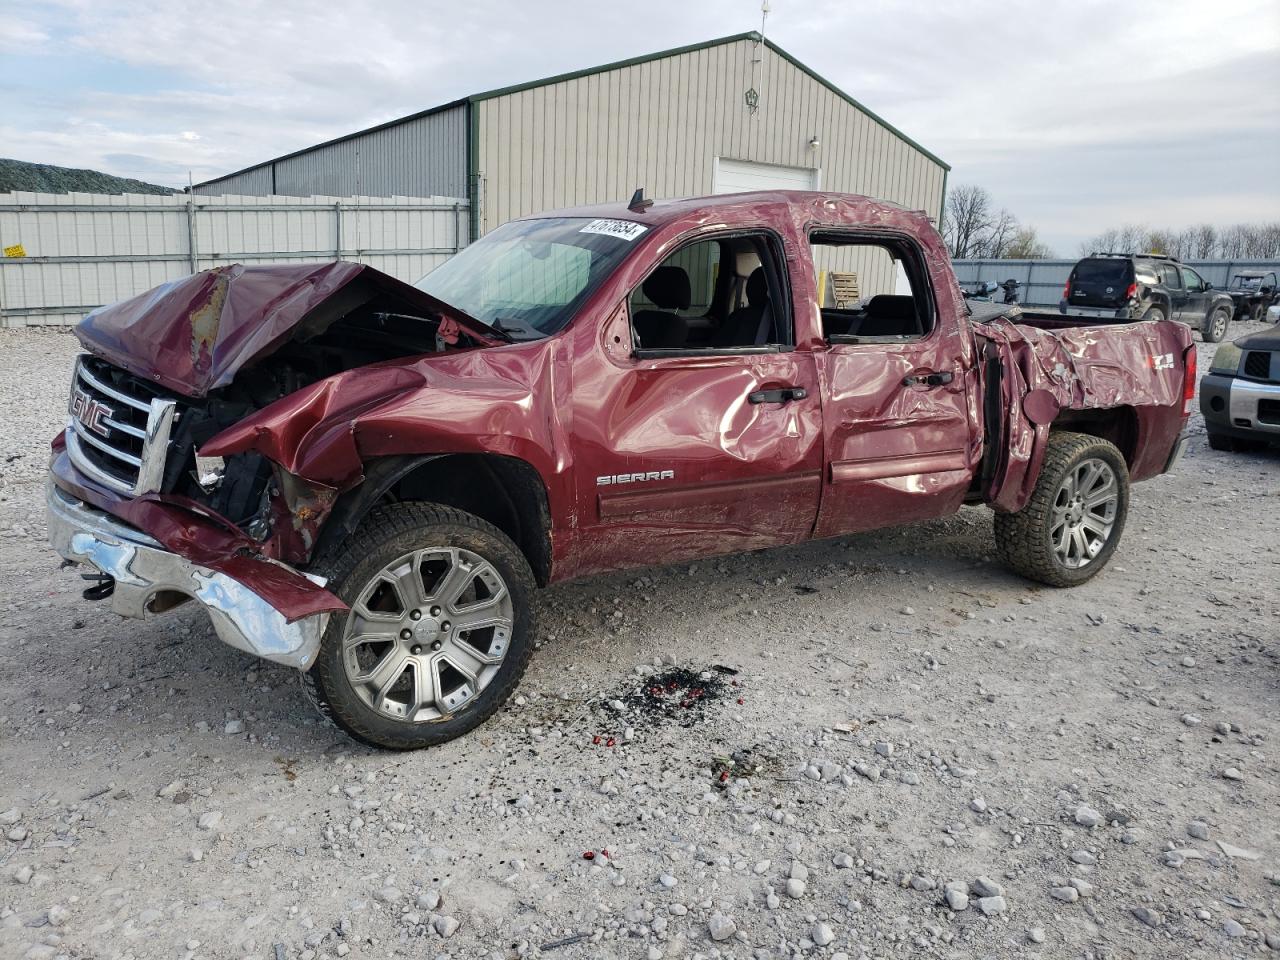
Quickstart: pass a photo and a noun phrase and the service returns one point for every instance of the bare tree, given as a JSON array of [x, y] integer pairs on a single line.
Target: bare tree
[[1206, 241], [1239, 241], [1003, 227], [967, 221]]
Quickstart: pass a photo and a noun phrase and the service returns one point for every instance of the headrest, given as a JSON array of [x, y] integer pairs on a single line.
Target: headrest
[[668, 288], [757, 287], [891, 307]]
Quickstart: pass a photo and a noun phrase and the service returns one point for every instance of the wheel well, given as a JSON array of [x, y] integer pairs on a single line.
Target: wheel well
[[1119, 425], [505, 491]]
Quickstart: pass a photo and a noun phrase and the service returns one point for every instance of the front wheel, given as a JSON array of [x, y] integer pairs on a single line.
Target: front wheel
[[1070, 527], [1215, 326], [439, 632]]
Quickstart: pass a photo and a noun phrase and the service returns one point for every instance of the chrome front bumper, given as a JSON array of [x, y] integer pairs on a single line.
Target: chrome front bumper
[[144, 571], [1245, 399]]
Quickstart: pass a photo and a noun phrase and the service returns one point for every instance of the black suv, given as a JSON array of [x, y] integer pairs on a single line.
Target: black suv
[[1147, 286]]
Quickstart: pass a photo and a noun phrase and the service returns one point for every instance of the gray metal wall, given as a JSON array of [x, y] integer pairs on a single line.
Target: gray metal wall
[[84, 250], [1042, 280], [423, 157], [661, 124]]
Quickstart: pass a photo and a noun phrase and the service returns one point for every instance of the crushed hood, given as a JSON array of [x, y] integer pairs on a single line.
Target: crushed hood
[[193, 334]]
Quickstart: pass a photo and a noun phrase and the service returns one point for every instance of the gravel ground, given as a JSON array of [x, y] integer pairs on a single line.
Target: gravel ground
[[919, 755]]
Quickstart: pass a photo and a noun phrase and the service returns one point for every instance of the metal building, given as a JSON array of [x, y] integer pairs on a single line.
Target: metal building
[[738, 113]]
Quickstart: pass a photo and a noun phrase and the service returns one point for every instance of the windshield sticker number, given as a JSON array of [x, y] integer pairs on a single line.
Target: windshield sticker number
[[622, 229]]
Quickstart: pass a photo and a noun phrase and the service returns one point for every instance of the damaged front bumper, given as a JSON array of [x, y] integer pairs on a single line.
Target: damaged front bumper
[[150, 579]]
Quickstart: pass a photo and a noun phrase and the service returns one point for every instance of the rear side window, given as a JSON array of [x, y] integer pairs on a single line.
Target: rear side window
[[1169, 276], [1103, 271]]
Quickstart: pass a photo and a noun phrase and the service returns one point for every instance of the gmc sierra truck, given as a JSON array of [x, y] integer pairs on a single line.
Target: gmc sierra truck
[[367, 480]]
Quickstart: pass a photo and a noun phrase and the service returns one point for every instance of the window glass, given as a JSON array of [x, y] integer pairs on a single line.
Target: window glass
[[871, 289], [1169, 276], [528, 277], [1191, 279], [720, 294], [1112, 270]]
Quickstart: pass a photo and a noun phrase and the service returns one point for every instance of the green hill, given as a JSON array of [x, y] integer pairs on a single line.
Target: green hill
[[46, 178]]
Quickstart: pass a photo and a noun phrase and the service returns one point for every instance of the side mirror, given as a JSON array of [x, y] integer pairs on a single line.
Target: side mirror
[[1208, 285]]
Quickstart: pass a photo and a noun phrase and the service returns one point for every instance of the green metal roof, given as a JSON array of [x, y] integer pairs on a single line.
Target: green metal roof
[[474, 98]]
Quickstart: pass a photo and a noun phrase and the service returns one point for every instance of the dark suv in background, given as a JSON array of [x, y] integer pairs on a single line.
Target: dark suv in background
[[1149, 286]]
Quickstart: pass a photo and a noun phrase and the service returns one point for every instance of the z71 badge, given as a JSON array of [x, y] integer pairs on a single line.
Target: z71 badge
[[616, 478]]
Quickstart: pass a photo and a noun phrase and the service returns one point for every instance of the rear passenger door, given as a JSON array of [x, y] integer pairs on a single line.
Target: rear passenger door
[[1171, 280], [896, 385]]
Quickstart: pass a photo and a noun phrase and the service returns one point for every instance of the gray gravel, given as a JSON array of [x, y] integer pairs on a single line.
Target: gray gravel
[[899, 785]]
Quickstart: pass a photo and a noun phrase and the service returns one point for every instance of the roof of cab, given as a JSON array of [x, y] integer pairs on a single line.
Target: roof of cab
[[667, 211]]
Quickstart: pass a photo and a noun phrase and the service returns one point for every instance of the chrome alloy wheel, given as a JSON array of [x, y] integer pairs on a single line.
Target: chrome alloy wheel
[[427, 634], [1084, 512]]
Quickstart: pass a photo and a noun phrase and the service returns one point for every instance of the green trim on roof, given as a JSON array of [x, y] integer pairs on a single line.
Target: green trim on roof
[[473, 171], [942, 204], [475, 98]]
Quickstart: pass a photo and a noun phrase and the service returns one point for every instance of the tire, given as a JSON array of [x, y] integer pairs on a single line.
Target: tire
[[1215, 325], [1220, 441], [1026, 539], [460, 567], [1155, 313], [1257, 312]]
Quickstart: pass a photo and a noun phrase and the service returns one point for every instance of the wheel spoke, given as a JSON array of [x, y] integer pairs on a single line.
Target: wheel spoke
[[1099, 528], [387, 671], [426, 684], [1101, 495], [464, 658]]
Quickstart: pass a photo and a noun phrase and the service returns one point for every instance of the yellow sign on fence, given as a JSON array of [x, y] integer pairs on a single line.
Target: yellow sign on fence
[[16, 250]]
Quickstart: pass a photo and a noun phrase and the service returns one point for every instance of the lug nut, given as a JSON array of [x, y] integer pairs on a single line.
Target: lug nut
[[415, 614], [436, 645], [415, 650], [406, 634], [445, 625], [435, 611]]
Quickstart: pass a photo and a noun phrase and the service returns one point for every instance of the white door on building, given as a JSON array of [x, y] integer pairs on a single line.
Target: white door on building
[[739, 176]]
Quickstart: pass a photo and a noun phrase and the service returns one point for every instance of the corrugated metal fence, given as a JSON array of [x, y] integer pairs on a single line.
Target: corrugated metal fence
[[83, 250], [1042, 280]]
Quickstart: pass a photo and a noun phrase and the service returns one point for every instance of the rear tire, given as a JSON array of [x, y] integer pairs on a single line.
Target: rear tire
[[1072, 524], [440, 630], [1258, 313], [1215, 325], [1155, 313]]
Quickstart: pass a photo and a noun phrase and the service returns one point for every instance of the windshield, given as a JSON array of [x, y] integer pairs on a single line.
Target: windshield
[[1246, 282], [528, 277]]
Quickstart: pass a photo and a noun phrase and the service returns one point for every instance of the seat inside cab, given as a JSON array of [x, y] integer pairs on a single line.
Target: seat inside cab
[[867, 289], [720, 294]]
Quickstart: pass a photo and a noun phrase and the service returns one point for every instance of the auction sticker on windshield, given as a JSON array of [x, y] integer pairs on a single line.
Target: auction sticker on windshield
[[622, 229]]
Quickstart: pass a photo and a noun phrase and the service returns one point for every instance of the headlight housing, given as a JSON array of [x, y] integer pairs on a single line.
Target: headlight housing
[[1226, 359]]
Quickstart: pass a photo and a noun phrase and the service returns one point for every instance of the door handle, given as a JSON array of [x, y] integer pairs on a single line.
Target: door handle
[[928, 379], [782, 395]]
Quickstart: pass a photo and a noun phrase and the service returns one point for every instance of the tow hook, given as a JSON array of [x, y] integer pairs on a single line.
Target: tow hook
[[104, 585]]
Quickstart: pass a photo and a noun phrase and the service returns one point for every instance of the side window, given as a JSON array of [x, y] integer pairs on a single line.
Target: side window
[[871, 289], [724, 294], [1192, 279], [1169, 276]]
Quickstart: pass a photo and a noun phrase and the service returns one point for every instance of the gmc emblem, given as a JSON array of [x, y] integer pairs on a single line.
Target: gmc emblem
[[92, 413]]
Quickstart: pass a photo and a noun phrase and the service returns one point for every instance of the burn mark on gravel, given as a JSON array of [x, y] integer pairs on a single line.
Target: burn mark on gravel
[[678, 695]]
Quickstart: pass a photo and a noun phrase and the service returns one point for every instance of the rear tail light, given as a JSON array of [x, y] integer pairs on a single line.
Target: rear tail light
[[1066, 290], [1188, 380], [1131, 292]]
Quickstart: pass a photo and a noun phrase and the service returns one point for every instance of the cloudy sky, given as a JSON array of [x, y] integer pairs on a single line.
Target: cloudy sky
[[1076, 115]]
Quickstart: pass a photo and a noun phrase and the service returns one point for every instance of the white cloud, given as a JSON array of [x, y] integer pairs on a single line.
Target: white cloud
[[1066, 112]]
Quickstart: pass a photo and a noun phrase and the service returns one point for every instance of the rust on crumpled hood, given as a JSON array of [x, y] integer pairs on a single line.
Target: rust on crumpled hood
[[193, 334]]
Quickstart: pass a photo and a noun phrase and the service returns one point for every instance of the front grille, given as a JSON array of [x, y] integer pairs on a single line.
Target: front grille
[[1257, 364], [118, 429], [1269, 412]]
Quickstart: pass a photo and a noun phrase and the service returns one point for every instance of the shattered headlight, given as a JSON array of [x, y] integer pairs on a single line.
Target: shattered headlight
[[1226, 359]]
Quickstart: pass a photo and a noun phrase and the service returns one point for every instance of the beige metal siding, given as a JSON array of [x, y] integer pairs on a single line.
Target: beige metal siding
[[423, 157], [662, 123]]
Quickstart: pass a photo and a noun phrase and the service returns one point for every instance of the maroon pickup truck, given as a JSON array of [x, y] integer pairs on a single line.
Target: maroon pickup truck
[[366, 480]]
